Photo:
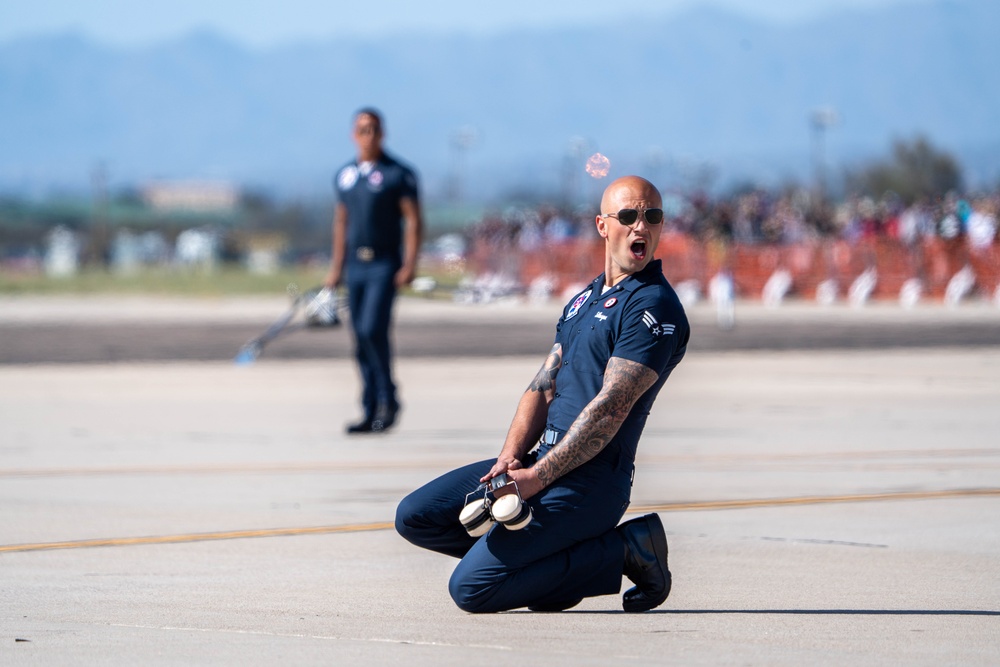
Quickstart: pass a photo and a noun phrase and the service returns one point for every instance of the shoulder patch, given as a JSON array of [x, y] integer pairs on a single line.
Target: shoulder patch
[[578, 303], [655, 328], [347, 177]]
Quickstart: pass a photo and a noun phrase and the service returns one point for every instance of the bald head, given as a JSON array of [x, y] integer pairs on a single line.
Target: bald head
[[628, 188], [629, 242]]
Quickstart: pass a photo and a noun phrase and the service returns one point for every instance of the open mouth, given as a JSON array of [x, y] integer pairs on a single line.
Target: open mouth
[[638, 249]]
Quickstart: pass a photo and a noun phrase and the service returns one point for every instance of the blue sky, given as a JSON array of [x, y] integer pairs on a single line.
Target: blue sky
[[264, 23]]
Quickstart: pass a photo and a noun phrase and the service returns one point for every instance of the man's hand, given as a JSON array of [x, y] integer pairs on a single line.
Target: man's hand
[[500, 467], [405, 276], [527, 481], [332, 279]]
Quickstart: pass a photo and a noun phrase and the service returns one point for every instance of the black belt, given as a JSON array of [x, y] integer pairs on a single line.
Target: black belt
[[367, 253]]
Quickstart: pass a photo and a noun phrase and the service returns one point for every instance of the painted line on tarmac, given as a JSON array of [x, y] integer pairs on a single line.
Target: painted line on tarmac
[[819, 458], [370, 527], [197, 537], [814, 500], [221, 469]]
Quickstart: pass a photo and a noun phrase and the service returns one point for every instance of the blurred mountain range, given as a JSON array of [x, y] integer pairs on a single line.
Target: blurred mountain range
[[705, 97]]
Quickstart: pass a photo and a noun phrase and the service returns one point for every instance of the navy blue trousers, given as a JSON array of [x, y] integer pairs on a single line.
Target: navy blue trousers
[[371, 290], [570, 550]]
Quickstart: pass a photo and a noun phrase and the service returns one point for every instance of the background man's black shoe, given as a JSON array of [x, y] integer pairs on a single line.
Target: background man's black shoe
[[645, 563], [556, 606], [385, 418], [363, 426]]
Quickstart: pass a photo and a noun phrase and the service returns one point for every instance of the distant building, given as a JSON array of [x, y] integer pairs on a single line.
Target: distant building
[[62, 254], [263, 252], [197, 248], [191, 196], [131, 251]]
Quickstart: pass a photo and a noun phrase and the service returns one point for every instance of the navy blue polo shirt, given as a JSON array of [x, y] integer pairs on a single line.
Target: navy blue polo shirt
[[639, 319], [372, 192]]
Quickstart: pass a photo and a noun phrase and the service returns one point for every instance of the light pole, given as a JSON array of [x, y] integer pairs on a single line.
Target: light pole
[[461, 140], [100, 232], [820, 120]]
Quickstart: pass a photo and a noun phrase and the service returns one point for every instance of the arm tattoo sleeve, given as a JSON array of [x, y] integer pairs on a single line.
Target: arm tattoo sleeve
[[545, 380], [624, 382]]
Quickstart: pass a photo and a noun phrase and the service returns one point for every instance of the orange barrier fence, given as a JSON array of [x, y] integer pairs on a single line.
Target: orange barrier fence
[[934, 262]]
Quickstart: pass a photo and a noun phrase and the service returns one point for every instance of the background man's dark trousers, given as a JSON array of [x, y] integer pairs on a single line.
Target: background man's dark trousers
[[371, 293]]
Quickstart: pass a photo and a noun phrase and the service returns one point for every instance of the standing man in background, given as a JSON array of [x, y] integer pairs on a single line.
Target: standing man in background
[[377, 230]]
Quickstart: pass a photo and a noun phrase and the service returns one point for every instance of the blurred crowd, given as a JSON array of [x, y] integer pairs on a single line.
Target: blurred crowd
[[755, 234], [760, 217]]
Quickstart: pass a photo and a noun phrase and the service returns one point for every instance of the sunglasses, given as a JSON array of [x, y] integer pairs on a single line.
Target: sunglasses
[[629, 216]]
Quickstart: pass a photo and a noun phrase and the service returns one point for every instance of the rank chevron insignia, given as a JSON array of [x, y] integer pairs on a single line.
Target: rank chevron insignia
[[655, 327]]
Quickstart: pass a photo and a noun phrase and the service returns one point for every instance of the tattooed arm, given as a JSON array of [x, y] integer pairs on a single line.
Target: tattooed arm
[[624, 382], [529, 420]]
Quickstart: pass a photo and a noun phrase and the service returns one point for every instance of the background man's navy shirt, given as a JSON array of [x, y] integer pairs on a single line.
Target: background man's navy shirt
[[372, 198]]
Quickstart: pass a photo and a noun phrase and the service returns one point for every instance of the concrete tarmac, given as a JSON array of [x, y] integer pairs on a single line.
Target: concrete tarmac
[[823, 507], [123, 329]]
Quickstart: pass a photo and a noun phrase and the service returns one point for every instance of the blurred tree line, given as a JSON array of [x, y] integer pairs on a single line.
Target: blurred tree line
[[914, 170]]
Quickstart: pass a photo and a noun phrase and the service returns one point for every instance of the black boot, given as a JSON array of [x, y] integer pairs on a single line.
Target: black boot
[[363, 426], [645, 563], [380, 421], [385, 417]]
